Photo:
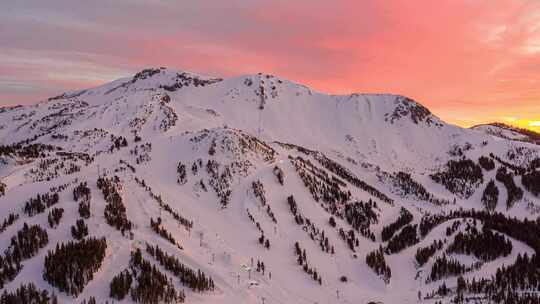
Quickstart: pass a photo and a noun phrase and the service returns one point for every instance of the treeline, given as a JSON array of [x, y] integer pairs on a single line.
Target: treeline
[[72, 265], [24, 245], [405, 217], [484, 245], [460, 177], [375, 260], [115, 211]]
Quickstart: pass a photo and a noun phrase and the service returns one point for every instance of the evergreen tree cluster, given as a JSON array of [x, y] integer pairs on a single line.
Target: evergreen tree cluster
[[28, 293], [409, 187], [117, 143], [161, 231], [315, 234], [490, 197], [303, 261], [188, 224], [444, 267], [182, 175], [423, 254], [260, 267], [264, 241], [320, 185], [350, 238], [151, 285], [460, 177], [26, 150], [486, 163], [360, 215], [514, 284], [405, 238], [258, 191], [41, 202], [405, 217], [72, 265], [484, 245], [24, 245], [3, 188], [79, 230], [453, 228], [220, 182], [8, 221], [531, 182], [515, 193], [196, 280], [142, 153], [517, 169], [82, 194], [280, 175], [375, 260], [84, 209], [115, 211], [254, 222], [347, 175], [54, 217], [120, 285]]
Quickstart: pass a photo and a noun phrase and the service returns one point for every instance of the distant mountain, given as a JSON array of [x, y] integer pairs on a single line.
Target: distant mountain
[[169, 186], [509, 132]]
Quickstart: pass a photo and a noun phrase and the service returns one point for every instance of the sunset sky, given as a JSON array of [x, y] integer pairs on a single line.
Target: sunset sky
[[469, 61]]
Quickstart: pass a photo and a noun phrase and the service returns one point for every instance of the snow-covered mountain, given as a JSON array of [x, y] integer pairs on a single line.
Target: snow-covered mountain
[[509, 132], [170, 186]]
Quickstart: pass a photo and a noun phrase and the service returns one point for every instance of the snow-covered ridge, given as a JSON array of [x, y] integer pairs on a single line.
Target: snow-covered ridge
[[257, 189]]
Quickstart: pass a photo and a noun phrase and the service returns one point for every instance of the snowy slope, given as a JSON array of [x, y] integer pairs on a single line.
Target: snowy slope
[[246, 126]]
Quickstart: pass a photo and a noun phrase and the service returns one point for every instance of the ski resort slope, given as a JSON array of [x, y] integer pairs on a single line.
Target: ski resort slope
[[248, 126]]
